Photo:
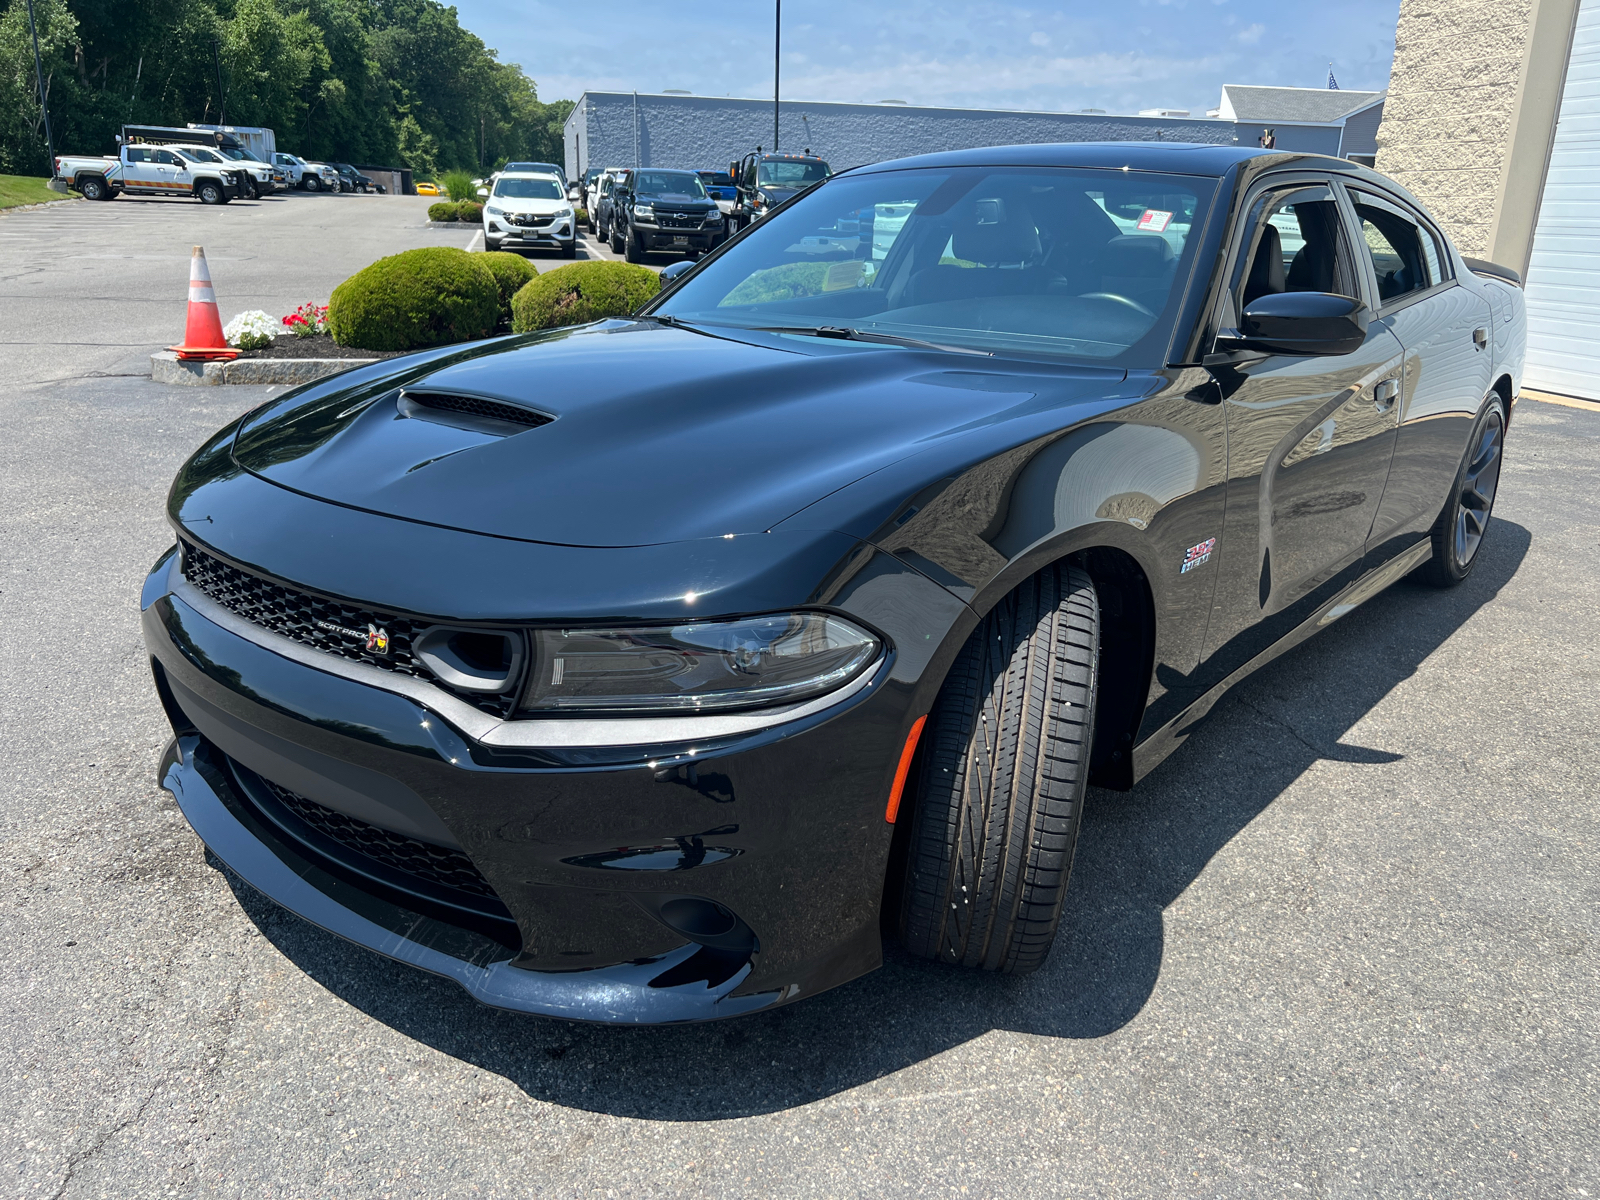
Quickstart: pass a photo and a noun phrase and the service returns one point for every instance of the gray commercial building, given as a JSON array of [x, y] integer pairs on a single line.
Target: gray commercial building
[[707, 132]]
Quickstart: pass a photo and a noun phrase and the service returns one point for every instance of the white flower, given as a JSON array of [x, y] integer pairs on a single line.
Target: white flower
[[252, 330]]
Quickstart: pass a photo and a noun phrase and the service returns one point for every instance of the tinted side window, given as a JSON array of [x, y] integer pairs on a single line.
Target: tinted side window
[[1404, 258], [167, 157], [138, 154], [1299, 246]]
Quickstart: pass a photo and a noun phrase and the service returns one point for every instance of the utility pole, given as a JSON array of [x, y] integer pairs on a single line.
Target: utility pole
[[44, 101], [635, 132], [777, 42], [216, 57]]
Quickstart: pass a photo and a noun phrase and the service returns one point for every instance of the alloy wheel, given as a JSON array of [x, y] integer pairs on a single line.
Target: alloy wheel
[[1479, 483]]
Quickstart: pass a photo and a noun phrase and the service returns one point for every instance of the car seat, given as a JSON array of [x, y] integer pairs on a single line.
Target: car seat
[[1266, 276]]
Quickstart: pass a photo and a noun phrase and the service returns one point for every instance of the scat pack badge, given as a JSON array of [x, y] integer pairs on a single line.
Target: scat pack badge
[[1197, 556], [376, 637]]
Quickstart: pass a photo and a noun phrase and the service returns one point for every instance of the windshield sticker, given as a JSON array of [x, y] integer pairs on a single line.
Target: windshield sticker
[[1155, 221], [1196, 556]]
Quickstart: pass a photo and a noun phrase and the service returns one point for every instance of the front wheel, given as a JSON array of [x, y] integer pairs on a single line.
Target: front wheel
[[1005, 762], [311, 183], [1458, 533], [570, 250], [209, 193], [635, 247]]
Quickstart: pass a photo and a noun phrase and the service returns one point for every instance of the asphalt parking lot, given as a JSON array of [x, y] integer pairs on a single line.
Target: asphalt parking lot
[[1343, 944]]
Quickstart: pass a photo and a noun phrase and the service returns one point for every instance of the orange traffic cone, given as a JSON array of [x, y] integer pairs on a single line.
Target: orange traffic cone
[[202, 333]]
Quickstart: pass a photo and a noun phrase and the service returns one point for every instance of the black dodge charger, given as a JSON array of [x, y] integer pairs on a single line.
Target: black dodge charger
[[654, 670]]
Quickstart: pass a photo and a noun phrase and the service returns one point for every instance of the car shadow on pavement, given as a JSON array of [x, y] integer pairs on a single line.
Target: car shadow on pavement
[[1137, 853]]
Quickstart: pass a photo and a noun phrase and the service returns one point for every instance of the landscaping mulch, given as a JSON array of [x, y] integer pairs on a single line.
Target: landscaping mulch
[[319, 346]]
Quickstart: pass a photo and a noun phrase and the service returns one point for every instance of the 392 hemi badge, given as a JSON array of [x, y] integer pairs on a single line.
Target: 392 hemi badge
[[1196, 556], [376, 638]]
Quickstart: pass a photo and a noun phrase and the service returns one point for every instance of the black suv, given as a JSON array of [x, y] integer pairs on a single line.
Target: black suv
[[767, 180], [352, 180], [663, 210]]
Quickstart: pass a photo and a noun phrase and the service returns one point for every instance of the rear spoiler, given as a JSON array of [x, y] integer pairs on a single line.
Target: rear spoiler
[[1479, 266]]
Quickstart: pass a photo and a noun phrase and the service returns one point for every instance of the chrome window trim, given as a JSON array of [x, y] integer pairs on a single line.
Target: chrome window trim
[[527, 733]]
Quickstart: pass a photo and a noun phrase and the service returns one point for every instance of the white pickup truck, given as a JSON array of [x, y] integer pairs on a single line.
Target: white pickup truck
[[142, 170]]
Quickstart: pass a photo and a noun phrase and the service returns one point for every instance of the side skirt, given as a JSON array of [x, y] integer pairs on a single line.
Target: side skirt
[[1148, 754]]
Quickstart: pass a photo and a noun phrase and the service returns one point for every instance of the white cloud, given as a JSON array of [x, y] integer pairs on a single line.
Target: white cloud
[[1039, 38], [1250, 34]]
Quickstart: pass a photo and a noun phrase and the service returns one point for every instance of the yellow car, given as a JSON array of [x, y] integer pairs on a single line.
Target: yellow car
[[427, 189]]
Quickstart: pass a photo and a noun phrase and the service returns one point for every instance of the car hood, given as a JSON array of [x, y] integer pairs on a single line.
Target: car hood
[[656, 434], [518, 204]]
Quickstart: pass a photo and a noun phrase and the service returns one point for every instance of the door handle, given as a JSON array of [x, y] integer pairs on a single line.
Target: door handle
[[1480, 338], [1385, 394]]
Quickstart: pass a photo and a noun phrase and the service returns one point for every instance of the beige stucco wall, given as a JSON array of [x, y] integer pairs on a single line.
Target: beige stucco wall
[[1447, 122], [1473, 96]]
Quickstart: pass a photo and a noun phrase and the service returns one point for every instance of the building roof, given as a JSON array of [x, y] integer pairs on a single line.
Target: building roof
[[1292, 106]]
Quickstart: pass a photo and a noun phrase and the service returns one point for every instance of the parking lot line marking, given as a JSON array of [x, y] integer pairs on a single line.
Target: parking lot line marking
[[1565, 401]]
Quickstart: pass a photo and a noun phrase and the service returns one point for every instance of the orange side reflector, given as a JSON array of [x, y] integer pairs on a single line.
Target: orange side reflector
[[904, 769]]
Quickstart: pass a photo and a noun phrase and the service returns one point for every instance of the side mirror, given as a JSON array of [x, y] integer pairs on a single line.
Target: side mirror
[[484, 192], [671, 275], [1305, 323]]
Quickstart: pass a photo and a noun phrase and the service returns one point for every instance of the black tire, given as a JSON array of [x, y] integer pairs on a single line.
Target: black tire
[[94, 189], [208, 192], [1005, 761], [1464, 521], [634, 250], [615, 240], [491, 244], [311, 183], [570, 250]]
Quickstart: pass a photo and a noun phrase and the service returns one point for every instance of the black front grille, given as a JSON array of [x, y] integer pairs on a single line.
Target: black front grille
[[325, 625], [437, 865], [679, 220], [530, 222], [478, 407]]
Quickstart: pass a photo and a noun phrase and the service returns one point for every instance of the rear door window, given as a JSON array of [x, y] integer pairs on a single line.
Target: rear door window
[[1404, 257]]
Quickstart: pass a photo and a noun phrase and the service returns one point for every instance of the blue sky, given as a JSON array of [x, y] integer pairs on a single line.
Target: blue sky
[[1120, 56]]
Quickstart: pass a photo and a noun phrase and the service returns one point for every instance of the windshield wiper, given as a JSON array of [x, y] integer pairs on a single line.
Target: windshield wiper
[[850, 334]]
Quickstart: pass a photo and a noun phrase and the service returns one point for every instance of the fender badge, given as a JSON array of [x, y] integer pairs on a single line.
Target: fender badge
[[1196, 556]]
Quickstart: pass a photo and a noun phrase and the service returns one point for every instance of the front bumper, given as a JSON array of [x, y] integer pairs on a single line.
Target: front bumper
[[655, 238], [779, 822], [558, 235]]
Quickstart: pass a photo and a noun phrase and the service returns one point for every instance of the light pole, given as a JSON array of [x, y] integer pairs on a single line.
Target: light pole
[[44, 103], [777, 41], [216, 58]]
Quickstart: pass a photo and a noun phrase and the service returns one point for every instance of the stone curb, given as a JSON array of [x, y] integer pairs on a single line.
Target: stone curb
[[167, 367], [452, 224], [16, 208]]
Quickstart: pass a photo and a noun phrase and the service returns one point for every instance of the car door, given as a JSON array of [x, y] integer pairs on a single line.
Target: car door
[[1444, 329], [1309, 437], [177, 175], [140, 171]]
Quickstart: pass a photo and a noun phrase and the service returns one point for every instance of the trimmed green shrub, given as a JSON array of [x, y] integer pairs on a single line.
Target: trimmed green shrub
[[511, 272], [442, 211], [469, 210], [580, 293], [458, 185], [581, 215], [415, 299]]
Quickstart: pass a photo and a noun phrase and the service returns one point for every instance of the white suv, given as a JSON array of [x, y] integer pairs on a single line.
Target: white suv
[[528, 210]]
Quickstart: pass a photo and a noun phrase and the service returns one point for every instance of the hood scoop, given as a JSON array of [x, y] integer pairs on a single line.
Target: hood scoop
[[475, 413]]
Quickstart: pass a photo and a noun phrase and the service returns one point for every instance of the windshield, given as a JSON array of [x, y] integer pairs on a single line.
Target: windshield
[[202, 155], [1041, 260], [236, 155], [543, 188], [791, 174], [670, 185]]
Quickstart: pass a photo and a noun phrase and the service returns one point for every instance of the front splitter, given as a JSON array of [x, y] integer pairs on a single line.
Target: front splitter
[[624, 994]]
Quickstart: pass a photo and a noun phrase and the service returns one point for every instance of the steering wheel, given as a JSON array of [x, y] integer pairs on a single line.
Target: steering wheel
[[1112, 296]]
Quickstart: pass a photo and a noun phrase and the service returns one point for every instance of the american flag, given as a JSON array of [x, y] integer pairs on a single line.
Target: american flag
[[1333, 84]]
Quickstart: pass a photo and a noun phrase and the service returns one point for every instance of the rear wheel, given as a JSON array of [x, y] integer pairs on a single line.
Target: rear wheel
[[94, 189], [1005, 761], [1458, 533]]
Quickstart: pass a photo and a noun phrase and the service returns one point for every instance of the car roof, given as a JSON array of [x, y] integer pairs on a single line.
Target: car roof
[[526, 175], [777, 156], [1184, 158]]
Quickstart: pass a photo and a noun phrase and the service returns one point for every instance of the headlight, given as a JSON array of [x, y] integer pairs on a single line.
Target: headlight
[[562, 212], [493, 212], [644, 212], [712, 665], [714, 217]]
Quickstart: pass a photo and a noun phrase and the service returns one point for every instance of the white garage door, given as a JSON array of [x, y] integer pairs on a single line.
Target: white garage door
[[1564, 271]]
